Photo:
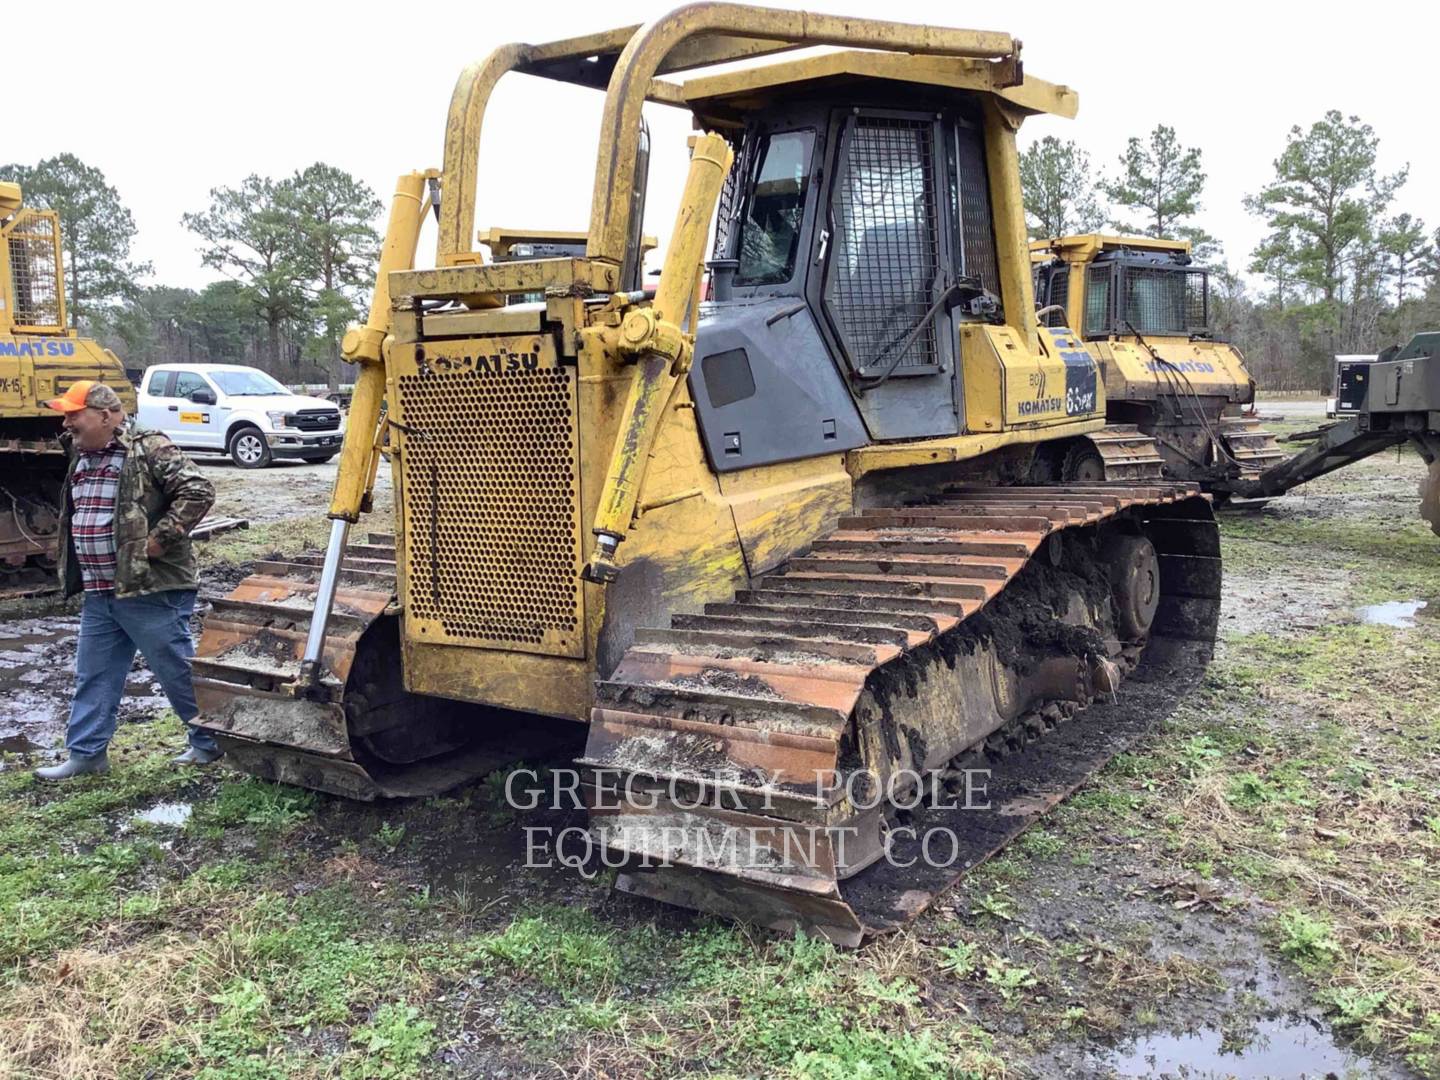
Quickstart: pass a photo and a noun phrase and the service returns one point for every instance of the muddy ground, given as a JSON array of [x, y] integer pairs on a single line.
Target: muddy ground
[[287, 489], [1250, 892]]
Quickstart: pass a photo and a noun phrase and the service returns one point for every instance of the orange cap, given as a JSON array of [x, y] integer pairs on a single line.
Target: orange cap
[[73, 400]]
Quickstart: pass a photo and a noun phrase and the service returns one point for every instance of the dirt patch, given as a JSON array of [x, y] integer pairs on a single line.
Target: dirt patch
[[1292, 600], [286, 489]]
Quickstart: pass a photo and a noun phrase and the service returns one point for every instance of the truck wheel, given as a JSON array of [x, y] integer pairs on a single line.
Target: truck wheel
[[248, 448]]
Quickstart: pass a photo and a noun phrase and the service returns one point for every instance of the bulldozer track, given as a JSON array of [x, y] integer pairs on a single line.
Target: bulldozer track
[[1127, 453], [32, 473], [28, 583], [752, 718], [358, 734], [1255, 448]]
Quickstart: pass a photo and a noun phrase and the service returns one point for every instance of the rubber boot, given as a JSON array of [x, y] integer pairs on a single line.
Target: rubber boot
[[192, 756], [98, 765]]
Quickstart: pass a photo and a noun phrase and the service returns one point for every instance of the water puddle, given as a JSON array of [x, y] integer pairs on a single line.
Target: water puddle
[[1397, 613], [37, 664], [1286, 1048], [174, 814]]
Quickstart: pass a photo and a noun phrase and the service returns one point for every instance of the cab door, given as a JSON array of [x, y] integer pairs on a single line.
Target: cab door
[[192, 423], [884, 247]]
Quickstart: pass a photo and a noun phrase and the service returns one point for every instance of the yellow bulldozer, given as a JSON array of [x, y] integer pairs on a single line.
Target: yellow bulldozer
[[790, 551], [40, 358], [1145, 312], [1174, 392]]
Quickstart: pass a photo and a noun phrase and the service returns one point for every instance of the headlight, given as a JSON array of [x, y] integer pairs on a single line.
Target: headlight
[[279, 419]]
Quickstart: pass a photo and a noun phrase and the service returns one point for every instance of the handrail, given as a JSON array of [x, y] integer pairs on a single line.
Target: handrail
[[462, 152]]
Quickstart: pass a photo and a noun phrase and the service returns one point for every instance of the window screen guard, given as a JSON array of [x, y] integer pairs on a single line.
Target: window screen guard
[[1163, 301], [35, 269], [884, 267], [1057, 294]]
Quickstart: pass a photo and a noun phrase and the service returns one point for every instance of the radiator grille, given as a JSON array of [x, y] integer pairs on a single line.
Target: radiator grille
[[491, 496], [884, 273], [35, 269], [316, 420]]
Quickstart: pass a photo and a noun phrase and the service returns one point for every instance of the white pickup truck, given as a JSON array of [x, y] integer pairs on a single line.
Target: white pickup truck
[[238, 411]]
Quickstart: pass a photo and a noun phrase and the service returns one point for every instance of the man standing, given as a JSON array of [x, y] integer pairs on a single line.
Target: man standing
[[130, 500]]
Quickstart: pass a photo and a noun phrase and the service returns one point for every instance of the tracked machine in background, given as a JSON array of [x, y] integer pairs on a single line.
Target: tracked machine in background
[[40, 358], [780, 550], [1143, 310], [1397, 403]]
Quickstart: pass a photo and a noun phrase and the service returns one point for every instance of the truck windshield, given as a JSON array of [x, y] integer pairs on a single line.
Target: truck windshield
[[1157, 301], [770, 232], [247, 383]]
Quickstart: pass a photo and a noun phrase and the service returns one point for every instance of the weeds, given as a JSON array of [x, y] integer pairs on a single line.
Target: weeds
[[1307, 940]]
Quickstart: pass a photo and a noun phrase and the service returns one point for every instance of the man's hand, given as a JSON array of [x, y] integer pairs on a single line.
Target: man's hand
[[153, 548]]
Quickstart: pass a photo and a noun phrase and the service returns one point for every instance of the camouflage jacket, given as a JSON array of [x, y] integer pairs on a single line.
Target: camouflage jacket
[[162, 495]]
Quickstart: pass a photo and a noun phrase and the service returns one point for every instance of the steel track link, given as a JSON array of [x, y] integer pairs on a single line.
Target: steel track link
[[734, 722]]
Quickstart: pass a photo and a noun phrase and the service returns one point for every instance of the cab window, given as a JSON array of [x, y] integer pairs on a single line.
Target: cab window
[[775, 209], [1097, 301], [186, 383]]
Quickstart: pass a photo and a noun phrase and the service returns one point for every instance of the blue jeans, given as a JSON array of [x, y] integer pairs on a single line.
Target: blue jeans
[[110, 632]]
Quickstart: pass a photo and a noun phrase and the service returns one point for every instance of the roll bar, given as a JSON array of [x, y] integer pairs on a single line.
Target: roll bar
[[627, 62]]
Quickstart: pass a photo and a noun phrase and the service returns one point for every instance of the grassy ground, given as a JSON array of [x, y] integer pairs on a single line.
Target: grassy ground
[[1272, 847]]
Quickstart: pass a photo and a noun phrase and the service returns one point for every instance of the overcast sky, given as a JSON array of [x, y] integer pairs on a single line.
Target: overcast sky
[[170, 100]]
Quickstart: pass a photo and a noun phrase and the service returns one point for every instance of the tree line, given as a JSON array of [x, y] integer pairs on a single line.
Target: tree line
[[1343, 271], [298, 255]]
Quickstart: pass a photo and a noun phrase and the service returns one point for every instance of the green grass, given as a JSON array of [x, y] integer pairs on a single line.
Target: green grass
[[262, 541]]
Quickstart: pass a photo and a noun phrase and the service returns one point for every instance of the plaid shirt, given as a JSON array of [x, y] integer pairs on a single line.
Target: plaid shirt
[[94, 487]]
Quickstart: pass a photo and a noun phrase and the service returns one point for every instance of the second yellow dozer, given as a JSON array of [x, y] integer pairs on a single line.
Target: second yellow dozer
[[40, 358], [1143, 308], [776, 548]]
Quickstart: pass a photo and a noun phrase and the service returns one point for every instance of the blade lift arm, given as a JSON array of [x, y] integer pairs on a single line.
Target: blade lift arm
[[360, 455], [661, 351]]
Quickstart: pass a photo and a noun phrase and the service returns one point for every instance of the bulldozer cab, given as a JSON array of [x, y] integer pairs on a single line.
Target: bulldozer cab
[[871, 206], [1115, 286], [872, 212]]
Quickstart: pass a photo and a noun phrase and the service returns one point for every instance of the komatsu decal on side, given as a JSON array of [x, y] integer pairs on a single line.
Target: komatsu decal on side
[[51, 347]]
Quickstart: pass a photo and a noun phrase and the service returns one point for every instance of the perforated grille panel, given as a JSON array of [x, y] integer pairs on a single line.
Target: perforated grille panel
[[977, 226], [35, 269], [490, 489], [883, 274]]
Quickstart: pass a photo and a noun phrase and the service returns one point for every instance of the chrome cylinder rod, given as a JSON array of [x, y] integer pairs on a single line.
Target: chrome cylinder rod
[[324, 601]]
